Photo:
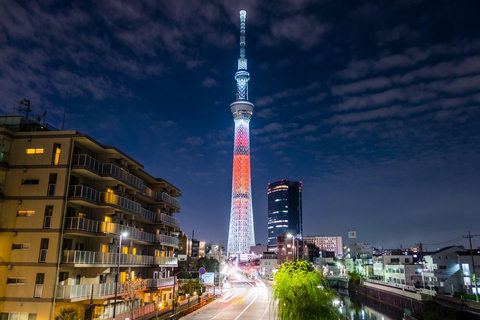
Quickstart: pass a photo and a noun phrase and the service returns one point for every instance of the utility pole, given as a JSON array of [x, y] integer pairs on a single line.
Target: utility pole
[[474, 278]]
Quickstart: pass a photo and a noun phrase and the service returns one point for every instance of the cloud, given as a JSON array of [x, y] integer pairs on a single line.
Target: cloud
[[305, 31], [209, 82], [271, 127], [194, 141], [408, 58], [263, 101], [266, 113], [399, 32]]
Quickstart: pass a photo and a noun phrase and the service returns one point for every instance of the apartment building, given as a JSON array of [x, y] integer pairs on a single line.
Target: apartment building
[[327, 243], [65, 199]]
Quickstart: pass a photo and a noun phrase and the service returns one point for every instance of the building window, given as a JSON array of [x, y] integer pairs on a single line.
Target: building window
[[52, 181], [34, 151], [47, 220], [29, 181], [21, 246], [57, 148], [25, 213], [39, 285], [15, 280], [43, 250]]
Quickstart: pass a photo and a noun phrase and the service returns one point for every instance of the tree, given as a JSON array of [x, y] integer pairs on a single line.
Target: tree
[[301, 293], [68, 314], [132, 289], [354, 277], [190, 287]]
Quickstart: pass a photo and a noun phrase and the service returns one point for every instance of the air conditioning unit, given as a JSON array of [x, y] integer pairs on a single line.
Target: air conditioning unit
[[123, 162]]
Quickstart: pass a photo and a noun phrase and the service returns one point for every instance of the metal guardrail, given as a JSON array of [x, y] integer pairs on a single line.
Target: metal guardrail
[[197, 306]]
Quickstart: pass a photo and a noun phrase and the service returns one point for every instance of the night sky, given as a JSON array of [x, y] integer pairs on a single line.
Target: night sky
[[374, 106]]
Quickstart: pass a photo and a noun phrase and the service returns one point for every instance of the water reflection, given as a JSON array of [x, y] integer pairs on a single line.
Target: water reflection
[[357, 307]]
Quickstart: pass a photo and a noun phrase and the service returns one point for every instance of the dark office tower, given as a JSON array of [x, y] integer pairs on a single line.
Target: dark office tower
[[284, 210]]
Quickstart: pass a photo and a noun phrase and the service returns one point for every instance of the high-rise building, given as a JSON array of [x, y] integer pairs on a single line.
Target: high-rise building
[[241, 234], [74, 212], [284, 210], [327, 243]]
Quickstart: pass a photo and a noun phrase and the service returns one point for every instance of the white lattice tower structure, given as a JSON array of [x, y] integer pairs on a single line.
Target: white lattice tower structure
[[241, 234]]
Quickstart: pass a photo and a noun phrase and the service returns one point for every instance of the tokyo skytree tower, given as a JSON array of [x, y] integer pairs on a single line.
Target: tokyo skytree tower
[[241, 235]]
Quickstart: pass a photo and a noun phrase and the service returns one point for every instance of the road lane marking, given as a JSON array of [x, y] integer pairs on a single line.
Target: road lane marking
[[256, 294], [245, 298], [239, 297]]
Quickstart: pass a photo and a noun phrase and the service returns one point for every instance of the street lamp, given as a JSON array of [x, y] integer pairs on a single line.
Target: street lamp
[[123, 234]]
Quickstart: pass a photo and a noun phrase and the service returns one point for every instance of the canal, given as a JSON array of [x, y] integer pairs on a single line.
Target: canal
[[357, 307]]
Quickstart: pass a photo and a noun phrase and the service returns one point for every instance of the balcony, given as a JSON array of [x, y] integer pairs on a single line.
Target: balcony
[[124, 203], [147, 214], [90, 258], [166, 261], [149, 192], [84, 291], [83, 160], [167, 240], [133, 233], [162, 196], [85, 193], [165, 218], [81, 224], [158, 283], [119, 173]]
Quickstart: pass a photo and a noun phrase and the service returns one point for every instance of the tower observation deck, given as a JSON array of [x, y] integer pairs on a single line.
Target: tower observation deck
[[241, 234]]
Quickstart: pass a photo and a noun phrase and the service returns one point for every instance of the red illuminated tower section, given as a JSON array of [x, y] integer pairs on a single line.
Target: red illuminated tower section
[[241, 234]]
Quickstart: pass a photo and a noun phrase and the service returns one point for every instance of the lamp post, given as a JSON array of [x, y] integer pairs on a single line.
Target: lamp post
[[123, 234]]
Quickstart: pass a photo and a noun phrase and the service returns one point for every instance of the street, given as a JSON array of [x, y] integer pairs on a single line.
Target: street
[[247, 299]]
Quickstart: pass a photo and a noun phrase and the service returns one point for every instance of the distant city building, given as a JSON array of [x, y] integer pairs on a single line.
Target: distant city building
[[184, 250], [327, 243], [268, 265], [291, 248], [258, 249], [284, 210], [198, 249]]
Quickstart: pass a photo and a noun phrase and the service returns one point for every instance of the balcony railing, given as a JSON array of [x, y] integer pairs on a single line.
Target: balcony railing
[[149, 192], [124, 203], [165, 218], [166, 261], [133, 233], [87, 161], [168, 199], [156, 283], [167, 240], [82, 224], [104, 258], [123, 175], [147, 214], [85, 193], [85, 290]]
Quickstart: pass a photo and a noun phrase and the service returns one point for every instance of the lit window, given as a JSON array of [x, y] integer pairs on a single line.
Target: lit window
[[34, 151], [25, 213]]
